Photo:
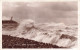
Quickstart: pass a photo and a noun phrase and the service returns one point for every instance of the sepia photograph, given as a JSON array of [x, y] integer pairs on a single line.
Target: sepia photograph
[[39, 25]]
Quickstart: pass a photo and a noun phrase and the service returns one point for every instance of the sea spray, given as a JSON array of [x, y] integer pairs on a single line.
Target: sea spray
[[46, 32], [24, 27]]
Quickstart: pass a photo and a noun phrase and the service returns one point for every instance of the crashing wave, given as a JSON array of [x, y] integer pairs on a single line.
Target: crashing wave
[[53, 33]]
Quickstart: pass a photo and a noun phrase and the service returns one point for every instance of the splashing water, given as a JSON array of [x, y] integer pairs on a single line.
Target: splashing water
[[53, 33]]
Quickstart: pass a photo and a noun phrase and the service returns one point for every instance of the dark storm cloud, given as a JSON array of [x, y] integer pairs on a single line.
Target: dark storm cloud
[[42, 11]]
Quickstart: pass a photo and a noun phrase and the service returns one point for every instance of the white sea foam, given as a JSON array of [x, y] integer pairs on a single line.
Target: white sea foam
[[47, 32]]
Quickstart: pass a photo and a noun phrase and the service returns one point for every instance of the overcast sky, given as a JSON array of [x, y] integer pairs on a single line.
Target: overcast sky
[[64, 12]]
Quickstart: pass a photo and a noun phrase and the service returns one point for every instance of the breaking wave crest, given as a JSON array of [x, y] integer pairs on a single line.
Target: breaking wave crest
[[53, 33]]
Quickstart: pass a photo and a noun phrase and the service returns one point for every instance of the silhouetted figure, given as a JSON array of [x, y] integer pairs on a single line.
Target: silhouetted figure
[[11, 18]]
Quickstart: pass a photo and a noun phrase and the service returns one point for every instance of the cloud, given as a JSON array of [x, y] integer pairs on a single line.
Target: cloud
[[41, 11]]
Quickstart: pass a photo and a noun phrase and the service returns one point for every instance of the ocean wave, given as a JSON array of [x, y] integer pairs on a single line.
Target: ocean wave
[[53, 33]]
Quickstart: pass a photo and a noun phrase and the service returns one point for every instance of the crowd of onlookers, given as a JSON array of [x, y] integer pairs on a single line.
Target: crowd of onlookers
[[15, 42]]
